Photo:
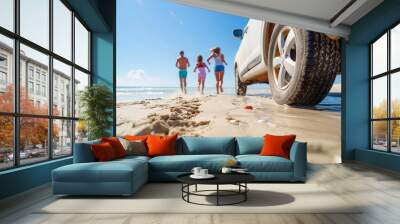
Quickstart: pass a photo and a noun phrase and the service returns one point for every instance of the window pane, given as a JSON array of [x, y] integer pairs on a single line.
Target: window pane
[[395, 94], [62, 138], [81, 82], [379, 135], [81, 45], [81, 131], [33, 139], [379, 97], [34, 72], [7, 14], [379, 55], [395, 47], [395, 138], [6, 74], [6, 142], [35, 21], [62, 89], [62, 29]]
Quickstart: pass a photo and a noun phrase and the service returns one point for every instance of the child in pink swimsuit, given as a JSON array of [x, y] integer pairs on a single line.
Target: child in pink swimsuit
[[201, 73]]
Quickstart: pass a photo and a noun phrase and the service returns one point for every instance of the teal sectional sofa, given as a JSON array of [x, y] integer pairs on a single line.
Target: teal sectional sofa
[[125, 176]]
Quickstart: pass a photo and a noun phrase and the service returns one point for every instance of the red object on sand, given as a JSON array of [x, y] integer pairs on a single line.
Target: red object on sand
[[248, 107]]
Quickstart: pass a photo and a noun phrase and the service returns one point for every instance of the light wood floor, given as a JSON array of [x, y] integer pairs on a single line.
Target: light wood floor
[[379, 190]]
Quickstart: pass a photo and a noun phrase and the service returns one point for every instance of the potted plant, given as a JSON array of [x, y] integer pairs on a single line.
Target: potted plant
[[97, 105]]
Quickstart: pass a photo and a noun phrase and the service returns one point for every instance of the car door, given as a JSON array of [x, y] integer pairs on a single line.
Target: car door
[[254, 36], [250, 47]]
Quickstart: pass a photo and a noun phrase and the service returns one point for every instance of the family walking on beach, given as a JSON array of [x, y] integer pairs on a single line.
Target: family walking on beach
[[182, 63]]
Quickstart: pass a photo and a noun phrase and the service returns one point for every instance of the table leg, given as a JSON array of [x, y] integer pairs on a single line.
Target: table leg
[[195, 188], [217, 194], [188, 190], [245, 193]]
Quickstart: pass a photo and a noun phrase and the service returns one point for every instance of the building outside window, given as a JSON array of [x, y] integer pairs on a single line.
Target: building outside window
[[44, 77], [3, 72], [3, 61], [38, 89], [37, 74], [3, 78], [385, 91], [44, 91], [34, 75], [30, 87], [30, 72]]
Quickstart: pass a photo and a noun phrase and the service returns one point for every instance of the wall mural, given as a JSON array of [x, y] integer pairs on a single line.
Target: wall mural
[[215, 74]]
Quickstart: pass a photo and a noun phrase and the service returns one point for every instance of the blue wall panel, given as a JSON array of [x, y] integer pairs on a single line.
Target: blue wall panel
[[355, 67], [24, 178], [103, 63]]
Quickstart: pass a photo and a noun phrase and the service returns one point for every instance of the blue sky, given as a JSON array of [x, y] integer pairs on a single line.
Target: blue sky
[[150, 33]]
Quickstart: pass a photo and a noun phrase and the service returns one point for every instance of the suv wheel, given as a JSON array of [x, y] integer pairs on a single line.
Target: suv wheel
[[240, 87], [302, 65]]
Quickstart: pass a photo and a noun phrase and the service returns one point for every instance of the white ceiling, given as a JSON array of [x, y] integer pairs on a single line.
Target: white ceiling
[[317, 15]]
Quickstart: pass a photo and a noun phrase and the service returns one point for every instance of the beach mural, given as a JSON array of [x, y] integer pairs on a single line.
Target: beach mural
[[196, 72]]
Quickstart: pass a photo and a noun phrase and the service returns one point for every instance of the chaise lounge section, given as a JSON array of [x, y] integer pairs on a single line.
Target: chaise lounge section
[[125, 176]]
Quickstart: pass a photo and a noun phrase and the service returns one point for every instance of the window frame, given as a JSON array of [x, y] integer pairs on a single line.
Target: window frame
[[16, 114], [388, 74]]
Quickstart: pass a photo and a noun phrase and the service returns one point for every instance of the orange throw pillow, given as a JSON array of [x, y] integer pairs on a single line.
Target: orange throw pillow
[[136, 137], [161, 145], [277, 145], [116, 145], [103, 152]]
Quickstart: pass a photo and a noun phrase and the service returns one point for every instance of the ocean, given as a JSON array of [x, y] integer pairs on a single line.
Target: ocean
[[125, 94]]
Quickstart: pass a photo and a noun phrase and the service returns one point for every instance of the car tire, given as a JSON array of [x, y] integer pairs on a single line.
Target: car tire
[[240, 87], [308, 80]]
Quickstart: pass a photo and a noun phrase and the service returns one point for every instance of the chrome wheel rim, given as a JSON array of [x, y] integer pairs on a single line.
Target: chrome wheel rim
[[284, 60]]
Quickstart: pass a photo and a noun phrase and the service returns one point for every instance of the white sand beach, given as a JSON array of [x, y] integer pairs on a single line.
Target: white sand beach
[[224, 115]]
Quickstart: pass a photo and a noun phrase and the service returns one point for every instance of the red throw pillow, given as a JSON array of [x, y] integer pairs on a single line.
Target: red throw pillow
[[277, 145], [116, 145], [103, 152], [161, 145]]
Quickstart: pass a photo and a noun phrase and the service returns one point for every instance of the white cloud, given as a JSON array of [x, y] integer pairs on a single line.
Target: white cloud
[[175, 17], [138, 77]]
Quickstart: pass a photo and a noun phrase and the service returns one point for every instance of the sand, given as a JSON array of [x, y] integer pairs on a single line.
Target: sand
[[225, 115]]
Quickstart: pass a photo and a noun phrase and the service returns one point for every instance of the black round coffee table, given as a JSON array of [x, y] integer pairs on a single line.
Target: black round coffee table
[[238, 179]]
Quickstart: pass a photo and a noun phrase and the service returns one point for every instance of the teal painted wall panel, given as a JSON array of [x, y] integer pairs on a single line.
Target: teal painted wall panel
[[355, 67], [103, 58], [103, 64], [24, 178], [379, 159], [356, 102], [90, 12]]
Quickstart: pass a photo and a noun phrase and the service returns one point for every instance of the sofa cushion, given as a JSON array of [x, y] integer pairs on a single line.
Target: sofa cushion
[[134, 147], [161, 145], [257, 163], [116, 145], [185, 163], [206, 145], [249, 145], [277, 145], [83, 152], [103, 152], [136, 137], [131, 158], [112, 171]]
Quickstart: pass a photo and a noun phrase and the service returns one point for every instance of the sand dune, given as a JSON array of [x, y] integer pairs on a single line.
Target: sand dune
[[224, 115]]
